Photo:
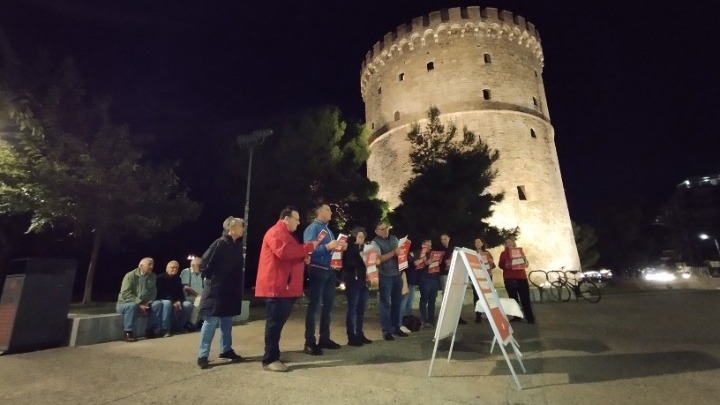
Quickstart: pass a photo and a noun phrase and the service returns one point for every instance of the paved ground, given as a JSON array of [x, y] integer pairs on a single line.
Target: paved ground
[[641, 347]]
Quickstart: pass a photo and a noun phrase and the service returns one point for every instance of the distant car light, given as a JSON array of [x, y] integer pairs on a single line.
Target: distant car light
[[659, 275]]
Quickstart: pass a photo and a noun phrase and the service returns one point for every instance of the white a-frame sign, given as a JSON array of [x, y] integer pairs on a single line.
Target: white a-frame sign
[[466, 264]]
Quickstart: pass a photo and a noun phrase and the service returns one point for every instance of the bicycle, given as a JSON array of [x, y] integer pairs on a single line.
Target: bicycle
[[573, 282], [544, 281], [561, 286]]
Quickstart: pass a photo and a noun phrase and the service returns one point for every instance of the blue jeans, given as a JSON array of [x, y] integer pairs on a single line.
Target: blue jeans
[[130, 311], [429, 286], [357, 297], [171, 320], [390, 289], [407, 302], [207, 333], [322, 289], [277, 312]]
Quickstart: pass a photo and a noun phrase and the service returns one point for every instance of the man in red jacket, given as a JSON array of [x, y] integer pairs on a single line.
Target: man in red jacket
[[280, 280]]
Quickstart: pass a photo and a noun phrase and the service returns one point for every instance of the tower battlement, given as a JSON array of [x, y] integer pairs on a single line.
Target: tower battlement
[[457, 22]]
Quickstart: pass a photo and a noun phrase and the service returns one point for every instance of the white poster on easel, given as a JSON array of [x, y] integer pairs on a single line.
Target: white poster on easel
[[466, 265]]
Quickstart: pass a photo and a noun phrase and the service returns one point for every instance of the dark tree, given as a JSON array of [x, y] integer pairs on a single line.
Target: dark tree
[[313, 157], [79, 169], [585, 240], [449, 190]]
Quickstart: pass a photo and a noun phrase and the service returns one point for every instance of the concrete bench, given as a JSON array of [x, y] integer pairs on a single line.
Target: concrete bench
[[84, 329]]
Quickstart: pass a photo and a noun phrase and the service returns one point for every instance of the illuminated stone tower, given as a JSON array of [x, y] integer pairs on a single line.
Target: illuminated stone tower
[[482, 69]]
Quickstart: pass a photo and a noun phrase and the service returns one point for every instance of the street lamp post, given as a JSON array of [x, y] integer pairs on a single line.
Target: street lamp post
[[705, 236], [249, 141]]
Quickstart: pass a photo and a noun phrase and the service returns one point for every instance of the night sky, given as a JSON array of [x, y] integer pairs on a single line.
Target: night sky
[[631, 86]]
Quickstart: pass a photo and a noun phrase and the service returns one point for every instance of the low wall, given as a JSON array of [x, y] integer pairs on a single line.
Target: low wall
[[84, 329]]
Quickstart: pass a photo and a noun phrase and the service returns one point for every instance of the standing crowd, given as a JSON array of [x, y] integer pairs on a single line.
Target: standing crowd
[[209, 293]]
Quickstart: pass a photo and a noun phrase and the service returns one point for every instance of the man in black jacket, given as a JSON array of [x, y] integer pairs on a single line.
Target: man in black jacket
[[175, 309]]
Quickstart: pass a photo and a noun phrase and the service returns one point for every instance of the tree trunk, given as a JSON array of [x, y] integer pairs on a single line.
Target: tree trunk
[[87, 295]]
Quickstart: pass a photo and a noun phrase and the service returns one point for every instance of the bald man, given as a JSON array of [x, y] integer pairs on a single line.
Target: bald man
[[193, 284], [176, 310], [137, 297]]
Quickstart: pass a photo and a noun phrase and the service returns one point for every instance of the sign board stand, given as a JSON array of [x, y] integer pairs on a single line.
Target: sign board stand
[[466, 264]]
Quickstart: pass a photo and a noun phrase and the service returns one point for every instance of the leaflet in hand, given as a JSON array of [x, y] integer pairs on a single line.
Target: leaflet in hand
[[517, 258], [436, 257], [370, 256], [404, 247], [420, 262], [336, 259], [323, 233]]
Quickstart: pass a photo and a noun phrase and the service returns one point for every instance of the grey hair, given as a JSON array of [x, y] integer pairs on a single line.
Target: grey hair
[[232, 222]]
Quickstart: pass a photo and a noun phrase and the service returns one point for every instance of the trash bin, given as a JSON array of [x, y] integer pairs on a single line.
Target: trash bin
[[34, 303]]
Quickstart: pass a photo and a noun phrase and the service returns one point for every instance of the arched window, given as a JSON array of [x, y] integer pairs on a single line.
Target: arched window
[[488, 58], [397, 115], [401, 77], [379, 90], [532, 133], [486, 94]]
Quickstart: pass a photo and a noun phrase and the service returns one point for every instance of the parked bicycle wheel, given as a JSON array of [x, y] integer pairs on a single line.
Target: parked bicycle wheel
[[560, 292], [589, 291]]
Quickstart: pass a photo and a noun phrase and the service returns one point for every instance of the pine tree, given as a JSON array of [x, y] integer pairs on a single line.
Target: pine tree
[[449, 190]]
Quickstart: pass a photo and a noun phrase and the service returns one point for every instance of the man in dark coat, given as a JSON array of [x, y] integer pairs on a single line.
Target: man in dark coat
[[175, 309], [222, 295]]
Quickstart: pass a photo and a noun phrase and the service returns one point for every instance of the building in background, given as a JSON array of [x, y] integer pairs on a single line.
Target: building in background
[[483, 69]]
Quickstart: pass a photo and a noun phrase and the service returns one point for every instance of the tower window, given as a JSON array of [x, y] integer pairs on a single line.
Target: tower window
[[372, 125], [379, 90], [397, 115], [401, 76], [535, 103], [486, 94], [521, 193], [488, 58], [532, 133], [430, 66]]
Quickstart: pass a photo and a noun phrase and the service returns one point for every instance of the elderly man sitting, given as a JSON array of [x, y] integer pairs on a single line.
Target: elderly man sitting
[[137, 297], [175, 309], [193, 284]]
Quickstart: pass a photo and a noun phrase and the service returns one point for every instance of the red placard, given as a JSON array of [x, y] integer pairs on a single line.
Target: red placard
[[323, 233], [420, 262], [436, 257], [336, 259], [403, 255], [371, 265]]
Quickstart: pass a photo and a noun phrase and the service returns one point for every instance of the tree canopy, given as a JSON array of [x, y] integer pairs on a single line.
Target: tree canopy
[[449, 190], [68, 164], [585, 240], [314, 156]]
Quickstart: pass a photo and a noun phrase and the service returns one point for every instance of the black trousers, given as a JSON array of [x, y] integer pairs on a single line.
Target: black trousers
[[519, 290]]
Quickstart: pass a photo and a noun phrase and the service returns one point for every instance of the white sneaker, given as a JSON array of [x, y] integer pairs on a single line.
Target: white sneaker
[[405, 329], [278, 366]]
